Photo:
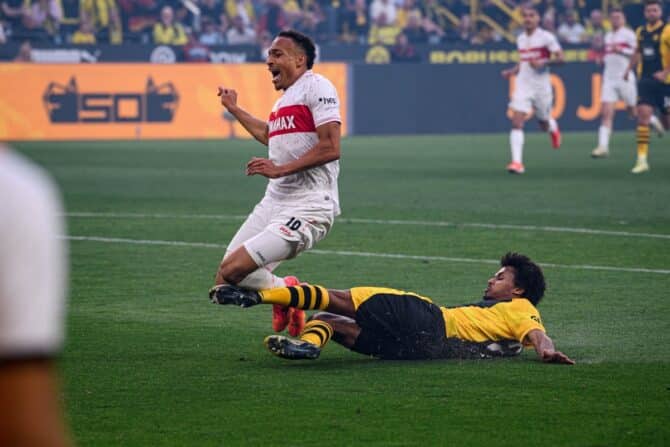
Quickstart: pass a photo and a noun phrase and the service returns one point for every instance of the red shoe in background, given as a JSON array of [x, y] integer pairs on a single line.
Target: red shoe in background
[[516, 168], [556, 138]]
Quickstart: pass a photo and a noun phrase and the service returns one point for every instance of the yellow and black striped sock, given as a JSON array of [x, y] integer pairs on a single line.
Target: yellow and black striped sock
[[317, 332], [306, 297], [642, 141]]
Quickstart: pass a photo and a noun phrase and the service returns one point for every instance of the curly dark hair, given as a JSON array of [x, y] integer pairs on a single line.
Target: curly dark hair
[[527, 275], [304, 42]]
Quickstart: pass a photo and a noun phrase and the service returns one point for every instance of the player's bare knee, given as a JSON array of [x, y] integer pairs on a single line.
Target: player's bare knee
[[517, 123]]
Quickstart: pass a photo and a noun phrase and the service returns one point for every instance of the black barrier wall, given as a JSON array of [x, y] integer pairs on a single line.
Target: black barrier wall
[[460, 98]]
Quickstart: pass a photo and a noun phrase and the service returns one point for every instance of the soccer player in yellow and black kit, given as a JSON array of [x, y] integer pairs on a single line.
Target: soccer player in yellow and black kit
[[652, 60], [393, 324]]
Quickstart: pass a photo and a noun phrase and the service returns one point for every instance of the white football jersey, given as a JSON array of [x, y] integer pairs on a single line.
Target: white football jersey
[[32, 261], [537, 46], [619, 47], [307, 104]]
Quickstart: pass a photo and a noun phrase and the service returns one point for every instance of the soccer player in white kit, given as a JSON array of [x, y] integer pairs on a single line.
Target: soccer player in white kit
[[32, 300], [538, 49], [301, 199], [620, 45]]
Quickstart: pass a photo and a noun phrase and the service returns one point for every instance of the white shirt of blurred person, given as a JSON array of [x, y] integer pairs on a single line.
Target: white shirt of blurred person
[[301, 200], [571, 31], [32, 300], [3, 37], [386, 7], [620, 45], [240, 34], [538, 49]]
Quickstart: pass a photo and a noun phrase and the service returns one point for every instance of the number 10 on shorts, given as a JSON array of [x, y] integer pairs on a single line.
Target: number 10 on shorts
[[293, 224]]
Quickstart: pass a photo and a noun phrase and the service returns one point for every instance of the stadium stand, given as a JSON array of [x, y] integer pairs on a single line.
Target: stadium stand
[[215, 23]]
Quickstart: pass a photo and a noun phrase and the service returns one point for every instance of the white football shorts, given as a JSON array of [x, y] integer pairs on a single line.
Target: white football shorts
[[614, 90], [527, 98], [279, 230]]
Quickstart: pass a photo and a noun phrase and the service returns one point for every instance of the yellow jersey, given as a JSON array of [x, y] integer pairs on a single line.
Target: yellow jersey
[[488, 320], [654, 47], [493, 320], [170, 35]]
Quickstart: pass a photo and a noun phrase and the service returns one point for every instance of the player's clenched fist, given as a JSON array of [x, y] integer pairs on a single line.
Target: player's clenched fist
[[228, 97]]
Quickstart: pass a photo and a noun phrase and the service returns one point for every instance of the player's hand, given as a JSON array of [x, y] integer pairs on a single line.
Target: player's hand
[[264, 167], [228, 97], [508, 73], [625, 75], [660, 76], [550, 356]]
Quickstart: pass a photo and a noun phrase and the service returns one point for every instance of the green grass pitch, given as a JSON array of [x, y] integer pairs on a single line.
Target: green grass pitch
[[150, 362]]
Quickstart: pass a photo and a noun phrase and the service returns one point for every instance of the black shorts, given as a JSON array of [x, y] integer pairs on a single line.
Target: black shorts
[[401, 327], [654, 93], [405, 327]]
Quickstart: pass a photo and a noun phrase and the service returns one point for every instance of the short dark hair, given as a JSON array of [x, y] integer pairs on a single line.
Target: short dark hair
[[304, 42], [530, 6], [527, 275], [653, 2]]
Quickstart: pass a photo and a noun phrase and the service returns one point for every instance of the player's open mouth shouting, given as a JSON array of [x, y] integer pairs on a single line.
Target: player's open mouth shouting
[[276, 76]]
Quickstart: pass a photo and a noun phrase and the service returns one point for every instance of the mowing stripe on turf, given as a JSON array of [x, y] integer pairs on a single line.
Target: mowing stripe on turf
[[364, 254], [423, 223]]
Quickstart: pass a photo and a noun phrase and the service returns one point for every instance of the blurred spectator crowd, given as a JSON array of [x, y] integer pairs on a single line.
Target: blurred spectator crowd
[[200, 24]]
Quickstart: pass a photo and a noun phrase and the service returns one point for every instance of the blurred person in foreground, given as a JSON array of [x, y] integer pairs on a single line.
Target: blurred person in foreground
[[397, 325], [538, 50], [32, 300], [652, 60]]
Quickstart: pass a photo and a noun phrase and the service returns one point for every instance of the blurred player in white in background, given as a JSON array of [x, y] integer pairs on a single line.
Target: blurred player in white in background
[[620, 45], [538, 49], [32, 299], [301, 199]]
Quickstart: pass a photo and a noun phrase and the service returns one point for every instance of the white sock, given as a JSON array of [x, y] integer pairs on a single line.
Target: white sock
[[553, 125], [604, 137], [655, 123], [261, 279], [516, 143]]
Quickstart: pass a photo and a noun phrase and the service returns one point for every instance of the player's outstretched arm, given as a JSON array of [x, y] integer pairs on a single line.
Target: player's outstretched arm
[[327, 149], [545, 349], [257, 128]]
